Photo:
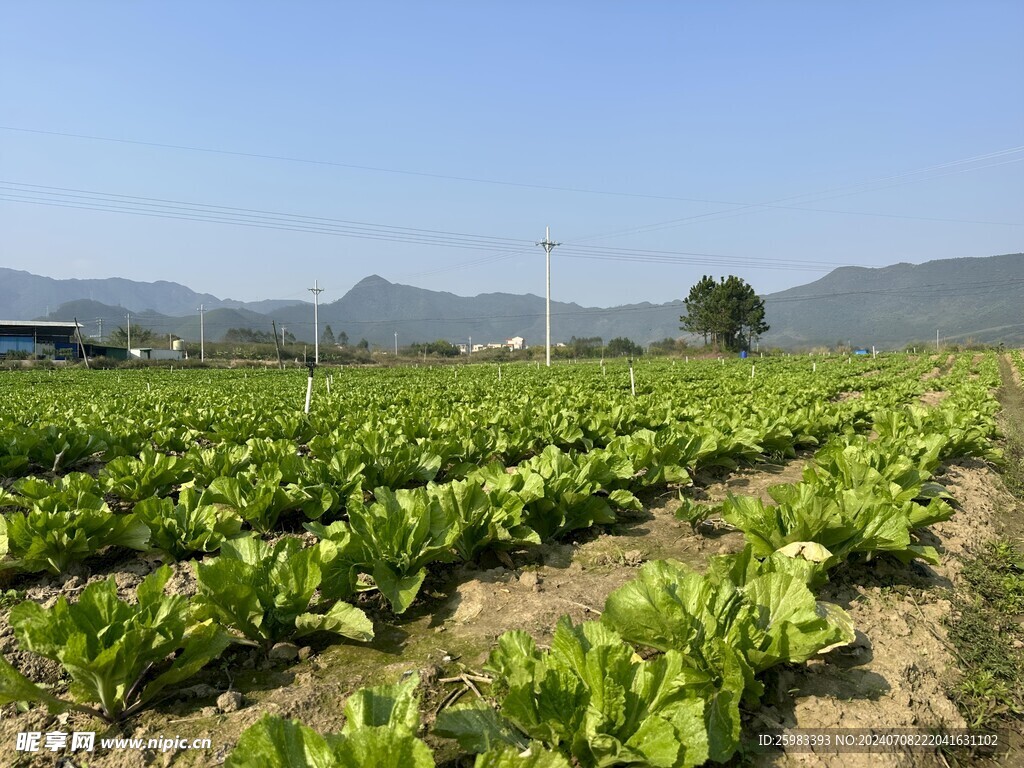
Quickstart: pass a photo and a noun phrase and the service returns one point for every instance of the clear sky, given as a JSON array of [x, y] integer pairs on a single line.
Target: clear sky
[[629, 128]]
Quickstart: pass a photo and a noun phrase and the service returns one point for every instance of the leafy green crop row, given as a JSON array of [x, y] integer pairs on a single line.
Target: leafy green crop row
[[411, 470], [593, 701]]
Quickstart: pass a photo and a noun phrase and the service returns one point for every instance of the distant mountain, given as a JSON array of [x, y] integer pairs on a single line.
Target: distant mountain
[[23, 294], [217, 321], [976, 298], [375, 309], [971, 298]]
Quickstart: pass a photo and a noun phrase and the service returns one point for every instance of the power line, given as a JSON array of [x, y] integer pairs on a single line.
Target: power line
[[776, 205], [527, 185], [184, 209], [376, 169], [746, 208], [63, 197]]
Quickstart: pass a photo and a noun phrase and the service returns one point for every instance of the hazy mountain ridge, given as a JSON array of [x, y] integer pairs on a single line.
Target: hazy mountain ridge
[[889, 306], [967, 298], [23, 294]]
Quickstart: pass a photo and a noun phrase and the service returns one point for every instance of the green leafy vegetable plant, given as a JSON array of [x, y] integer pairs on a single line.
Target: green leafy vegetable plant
[[120, 656], [265, 592], [259, 499], [39, 540], [380, 730], [488, 515], [151, 474], [577, 490], [60, 448], [591, 698], [397, 536], [189, 527]]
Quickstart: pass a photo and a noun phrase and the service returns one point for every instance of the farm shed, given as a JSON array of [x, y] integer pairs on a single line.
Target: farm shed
[[38, 338], [105, 350]]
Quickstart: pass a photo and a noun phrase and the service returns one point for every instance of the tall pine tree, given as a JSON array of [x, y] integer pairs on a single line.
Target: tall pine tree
[[728, 312]]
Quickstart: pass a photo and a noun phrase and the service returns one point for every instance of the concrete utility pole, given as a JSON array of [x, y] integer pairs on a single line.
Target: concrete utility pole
[[129, 316], [548, 246], [316, 290], [396, 343], [470, 352], [202, 333]]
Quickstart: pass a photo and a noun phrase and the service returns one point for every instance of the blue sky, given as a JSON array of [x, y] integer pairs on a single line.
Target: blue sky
[[598, 119]]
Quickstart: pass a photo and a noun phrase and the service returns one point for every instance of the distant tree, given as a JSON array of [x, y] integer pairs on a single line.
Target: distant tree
[[363, 344], [621, 347], [248, 336], [728, 311], [140, 336], [443, 348], [328, 337], [342, 339], [587, 346], [668, 346], [699, 314]]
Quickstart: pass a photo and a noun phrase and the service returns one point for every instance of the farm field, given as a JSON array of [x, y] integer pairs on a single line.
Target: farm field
[[500, 567]]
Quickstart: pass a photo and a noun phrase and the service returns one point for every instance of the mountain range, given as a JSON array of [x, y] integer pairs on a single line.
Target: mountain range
[[967, 298]]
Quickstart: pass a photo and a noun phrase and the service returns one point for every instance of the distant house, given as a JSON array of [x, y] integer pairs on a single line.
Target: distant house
[[38, 338], [515, 343], [149, 353]]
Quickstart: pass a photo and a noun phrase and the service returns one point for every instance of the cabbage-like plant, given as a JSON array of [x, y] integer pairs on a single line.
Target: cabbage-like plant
[[381, 726], [265, 592], [120, 656]]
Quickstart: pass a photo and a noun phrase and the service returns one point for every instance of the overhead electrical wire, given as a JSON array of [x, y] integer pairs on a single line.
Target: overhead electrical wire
[[739, 209], [503, 248], [747, 208], [525, 185], [65, 197]]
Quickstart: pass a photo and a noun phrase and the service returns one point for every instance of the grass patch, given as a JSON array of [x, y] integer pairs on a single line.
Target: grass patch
[[1011, 397], [987, 631]]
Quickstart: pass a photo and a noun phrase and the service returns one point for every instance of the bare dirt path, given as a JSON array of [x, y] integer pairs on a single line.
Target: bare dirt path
[[898, 671]]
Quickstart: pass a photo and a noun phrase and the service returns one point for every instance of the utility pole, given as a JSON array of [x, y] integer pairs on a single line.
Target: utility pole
[[202, 333], [548, 246], [277, 344], [78, 334], [936, 339], [129, 316], [316, 290], [470, 352], [396, 343]]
